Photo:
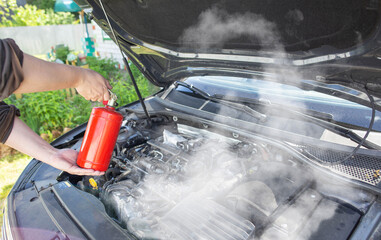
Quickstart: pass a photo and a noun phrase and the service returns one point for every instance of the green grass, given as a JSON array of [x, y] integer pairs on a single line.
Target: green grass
[[10, 169]]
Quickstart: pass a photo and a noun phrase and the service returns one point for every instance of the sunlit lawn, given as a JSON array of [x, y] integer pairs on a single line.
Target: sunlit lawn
[[10, 169]]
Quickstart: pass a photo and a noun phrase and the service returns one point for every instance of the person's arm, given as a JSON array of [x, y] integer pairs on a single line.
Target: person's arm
[[42, 76], [25, 140], [22, 73]]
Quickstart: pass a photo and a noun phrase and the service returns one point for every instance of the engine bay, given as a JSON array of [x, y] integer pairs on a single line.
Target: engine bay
[[170, 180]]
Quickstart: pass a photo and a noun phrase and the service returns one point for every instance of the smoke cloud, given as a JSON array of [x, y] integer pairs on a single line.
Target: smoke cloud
[[216, 27]]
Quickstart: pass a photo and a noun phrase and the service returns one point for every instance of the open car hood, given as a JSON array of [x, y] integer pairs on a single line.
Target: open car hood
[[332, 42]]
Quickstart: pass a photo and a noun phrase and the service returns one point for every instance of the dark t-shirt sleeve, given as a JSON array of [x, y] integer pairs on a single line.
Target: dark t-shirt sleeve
[[11, 76], [7, 116]]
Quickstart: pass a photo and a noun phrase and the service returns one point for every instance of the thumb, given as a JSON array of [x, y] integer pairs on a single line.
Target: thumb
[[106, 96]]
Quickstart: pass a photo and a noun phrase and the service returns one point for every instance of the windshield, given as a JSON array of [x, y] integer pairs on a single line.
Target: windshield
[[343, 111]]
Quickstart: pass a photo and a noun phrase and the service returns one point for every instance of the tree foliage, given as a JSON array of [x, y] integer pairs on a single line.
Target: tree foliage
[[42, 4], [29, 15]]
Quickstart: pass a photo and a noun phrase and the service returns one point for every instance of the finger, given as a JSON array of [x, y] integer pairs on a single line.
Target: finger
[[75, 169], [98, 173], [108, 85], [85, 171], [97, 98], [106, 96], [92, 173]]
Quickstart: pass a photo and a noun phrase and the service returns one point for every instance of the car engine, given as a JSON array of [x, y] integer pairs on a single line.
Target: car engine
[[175, 181]]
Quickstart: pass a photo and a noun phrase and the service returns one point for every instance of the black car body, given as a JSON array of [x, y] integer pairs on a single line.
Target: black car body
[[267, 127]]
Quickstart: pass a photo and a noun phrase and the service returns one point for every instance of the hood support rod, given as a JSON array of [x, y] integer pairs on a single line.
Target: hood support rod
[[127, 66]]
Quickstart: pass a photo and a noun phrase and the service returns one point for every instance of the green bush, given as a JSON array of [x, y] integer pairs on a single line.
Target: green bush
[[42, 4], [62, 52], [105, 66], [123, 88], [44, 111], [81, 109], [30, 15]]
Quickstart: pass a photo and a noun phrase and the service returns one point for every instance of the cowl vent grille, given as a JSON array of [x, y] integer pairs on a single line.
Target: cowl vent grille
[[360, 167]]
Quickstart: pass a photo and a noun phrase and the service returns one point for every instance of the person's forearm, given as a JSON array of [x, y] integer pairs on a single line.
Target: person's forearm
[[41, 76], [25, 140]]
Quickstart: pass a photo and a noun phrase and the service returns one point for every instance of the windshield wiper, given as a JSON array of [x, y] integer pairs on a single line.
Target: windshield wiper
[[266, 103], [340, 130], [320, 119], [360, 99], [238, 106], [275, 109]]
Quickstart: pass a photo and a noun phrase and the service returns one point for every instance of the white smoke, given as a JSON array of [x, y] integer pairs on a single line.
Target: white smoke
[[215, 27], [213, 172]]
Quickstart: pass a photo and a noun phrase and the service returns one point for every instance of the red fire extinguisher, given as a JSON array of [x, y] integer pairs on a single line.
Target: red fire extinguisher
[[100, 136]]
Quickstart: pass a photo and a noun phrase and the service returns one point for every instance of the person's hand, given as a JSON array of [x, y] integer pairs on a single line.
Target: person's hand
[[66, 160], [25, 140], [92, 86]]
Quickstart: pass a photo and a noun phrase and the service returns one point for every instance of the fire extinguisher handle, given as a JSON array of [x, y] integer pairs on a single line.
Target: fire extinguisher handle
[[112, 101]]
